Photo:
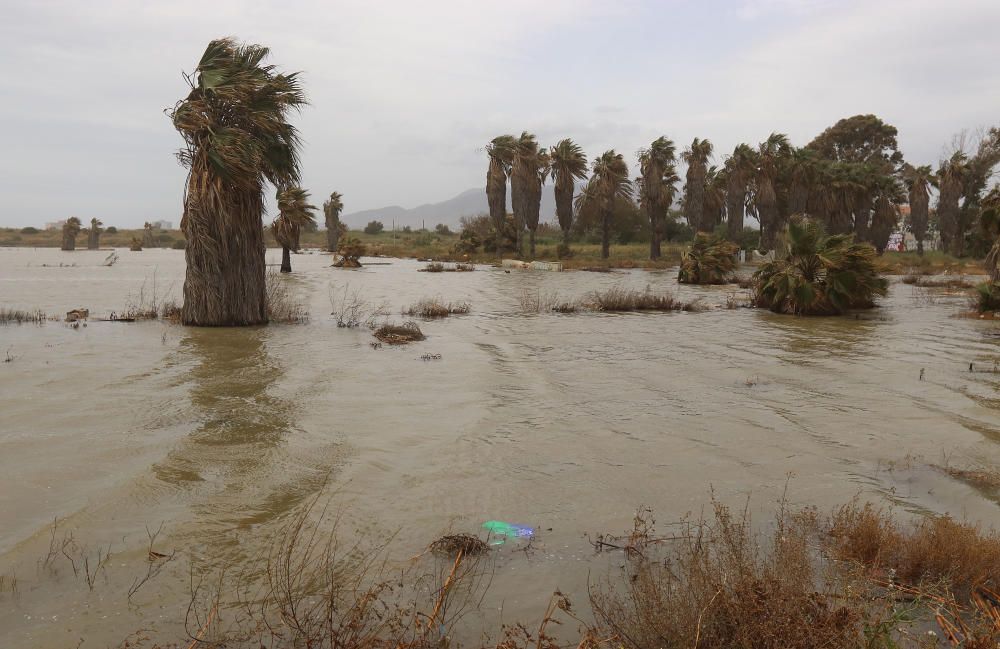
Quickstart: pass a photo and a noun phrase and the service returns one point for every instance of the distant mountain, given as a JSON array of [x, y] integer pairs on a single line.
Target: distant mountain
[[469, 203]]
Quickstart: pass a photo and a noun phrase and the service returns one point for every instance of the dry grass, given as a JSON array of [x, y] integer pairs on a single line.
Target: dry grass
[[937, 281], [393, 334], [438, 267], [626, 299], [934, 551], [351, 309], [435, 308], [981, 478], [18, 316], [280, 306]]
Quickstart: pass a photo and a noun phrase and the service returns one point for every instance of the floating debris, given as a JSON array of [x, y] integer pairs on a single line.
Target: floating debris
[[452, 544]]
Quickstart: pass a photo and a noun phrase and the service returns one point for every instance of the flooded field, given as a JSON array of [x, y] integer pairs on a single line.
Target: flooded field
[[565, 422]]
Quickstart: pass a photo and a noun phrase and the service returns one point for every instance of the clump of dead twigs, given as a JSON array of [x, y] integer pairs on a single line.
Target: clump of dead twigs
[[393, 334], [454, 544]]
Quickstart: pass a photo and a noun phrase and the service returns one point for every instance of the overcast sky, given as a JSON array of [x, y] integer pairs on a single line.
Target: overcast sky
[[404, 94]]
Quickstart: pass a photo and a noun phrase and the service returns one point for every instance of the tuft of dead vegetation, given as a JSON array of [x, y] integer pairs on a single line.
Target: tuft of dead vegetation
[[280, 305], [455, 544], [393, 334], [933, 552], [439, 267], [981, 478], [937, 281], [350, 309], [18, 316], [435, 308], [627, 299]]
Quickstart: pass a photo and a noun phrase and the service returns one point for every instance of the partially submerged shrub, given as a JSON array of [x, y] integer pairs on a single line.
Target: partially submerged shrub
[[351, 250], [820, 275], [393, 334], [280, 306], [988, 297], [435, 308], [351, 309], [936, 282], [34, 316], [711, 260], [628, 299]]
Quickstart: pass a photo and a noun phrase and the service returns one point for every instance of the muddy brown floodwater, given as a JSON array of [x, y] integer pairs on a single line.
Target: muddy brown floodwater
[[567, 422]]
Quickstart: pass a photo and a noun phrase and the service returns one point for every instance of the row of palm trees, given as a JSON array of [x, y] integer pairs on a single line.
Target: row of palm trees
[[851, 178]]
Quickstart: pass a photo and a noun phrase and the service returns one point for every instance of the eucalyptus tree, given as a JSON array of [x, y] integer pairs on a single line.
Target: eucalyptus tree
[[332, 208], [501, 156], [696, 156], [94, 234], [294, 213], [234, 123], [567, 164], [919, 181], [70, 229], [741, 166], [657, 166], [609, 183]]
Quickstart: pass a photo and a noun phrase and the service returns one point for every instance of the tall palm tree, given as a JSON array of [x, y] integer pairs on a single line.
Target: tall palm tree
[[919, 181], [802, 167], [696, 157], [609, 183], [528, 172], [740, 169], [94, 234], [771, 154], [234, 122], [885, 215], [70, 229], [567, 164], [656, 187], [501, 154], [294, 213], [147, 235], [951, 176], [714, 204], [331, 210], [863, 185]]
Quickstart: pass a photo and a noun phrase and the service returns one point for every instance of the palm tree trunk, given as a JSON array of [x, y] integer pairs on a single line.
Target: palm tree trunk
[[531, 242], [68, 242], [606, 234], [920, 247], [286, 260], [656, 236], [225, 280]]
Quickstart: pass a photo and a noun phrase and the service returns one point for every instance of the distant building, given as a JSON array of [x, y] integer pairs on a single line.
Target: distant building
[[55, 225], [163, 225]]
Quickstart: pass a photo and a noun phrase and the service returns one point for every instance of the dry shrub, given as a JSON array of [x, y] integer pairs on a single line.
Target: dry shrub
[[280, 307], [539, 302], [943, 281], [351, 309], [453, 544], [435, 308], [721, 587], [393, 334], [34, 316], [934, 550], [627, 299], [433, 267]]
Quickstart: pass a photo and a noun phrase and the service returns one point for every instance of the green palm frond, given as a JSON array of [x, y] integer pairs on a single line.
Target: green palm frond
[[711, 260]]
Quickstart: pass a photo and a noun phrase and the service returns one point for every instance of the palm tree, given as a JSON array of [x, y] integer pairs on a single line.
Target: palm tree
[[711, 260], [567, 164], [885, 217], [820, 275], [608, 184], [656, 187], [295, 212], [331, 210], [528, 173], [802, 166], [70, 229], [770, 155], [951, 176], [501, 153], [740, 169], [237, 137], [147, 235], [714, 203], [696, 157], [94, 234], [919, 181]]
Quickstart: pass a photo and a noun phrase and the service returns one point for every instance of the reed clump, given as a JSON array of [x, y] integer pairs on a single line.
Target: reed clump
[[19, 316], [937, 281], [394, 334], [435, 308], [626, 299], [280, 305]]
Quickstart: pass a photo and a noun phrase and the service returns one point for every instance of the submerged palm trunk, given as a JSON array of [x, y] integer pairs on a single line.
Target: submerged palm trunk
[[93, 239], [68, 241], [605, 232], [286, 260], [225, 280]]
